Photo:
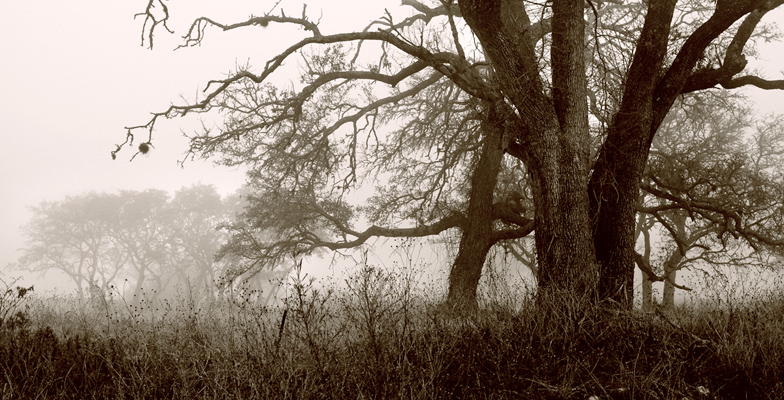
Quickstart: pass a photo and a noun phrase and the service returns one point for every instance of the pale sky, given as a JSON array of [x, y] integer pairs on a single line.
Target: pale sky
[[74, 74]]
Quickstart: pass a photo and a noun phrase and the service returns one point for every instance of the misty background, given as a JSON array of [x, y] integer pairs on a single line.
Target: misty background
[[75, 74]]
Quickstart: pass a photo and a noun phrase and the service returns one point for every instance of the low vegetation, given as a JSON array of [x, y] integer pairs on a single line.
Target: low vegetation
[[378, 336]]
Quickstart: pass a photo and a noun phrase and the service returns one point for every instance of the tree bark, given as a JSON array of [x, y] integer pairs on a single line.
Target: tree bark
[[670, 274], [565, 253], [615, 182], [554, 138], [615, 188], [647, 293], [477, 237], [567, 259]]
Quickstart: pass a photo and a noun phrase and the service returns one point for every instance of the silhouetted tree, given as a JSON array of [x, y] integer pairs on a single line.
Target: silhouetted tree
[[192, 219], [145, 236], [714, 186], [437, 100], [70, 236]]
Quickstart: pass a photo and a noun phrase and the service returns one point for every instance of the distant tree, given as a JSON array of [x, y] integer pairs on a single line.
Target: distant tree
[[714, 186], [434, 102], [70, 236], [146, 236], [139, 230], [192, 219]]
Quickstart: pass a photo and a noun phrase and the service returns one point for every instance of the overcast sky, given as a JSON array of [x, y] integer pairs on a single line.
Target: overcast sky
[[74, 74]]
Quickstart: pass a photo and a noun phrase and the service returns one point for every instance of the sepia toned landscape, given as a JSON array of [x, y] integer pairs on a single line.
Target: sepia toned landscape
[[447, 199]]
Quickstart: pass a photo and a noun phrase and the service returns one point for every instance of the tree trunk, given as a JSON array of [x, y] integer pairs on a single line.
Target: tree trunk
[[647, 293], [615, 189], [644, 224], [554, 135], [140, 278], [668, 294], [79, 288], [567, 259], [615, 182], [671, 267], [673, 263], [477, 237], [564, 247]]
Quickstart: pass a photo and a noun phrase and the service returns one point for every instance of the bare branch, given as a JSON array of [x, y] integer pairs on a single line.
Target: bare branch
[[753, 81], [449, 222], [306, 242], [510, 234], [648, 271], [195, 33], [151, 18], [734, 60], [447, 64], [676, 79], [682, 248]]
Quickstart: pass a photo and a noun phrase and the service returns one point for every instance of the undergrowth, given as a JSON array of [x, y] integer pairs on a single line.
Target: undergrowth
[[376, 337]]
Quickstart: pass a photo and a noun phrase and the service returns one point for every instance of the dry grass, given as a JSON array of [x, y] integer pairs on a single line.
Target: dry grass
[[379, 338]]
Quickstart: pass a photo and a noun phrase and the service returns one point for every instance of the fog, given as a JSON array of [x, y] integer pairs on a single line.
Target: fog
[[75, 74]]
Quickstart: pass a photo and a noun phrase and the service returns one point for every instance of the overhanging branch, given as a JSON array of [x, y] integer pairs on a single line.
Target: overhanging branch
[[753, 81], [448, 64], [452, 221], [676, 78], [734, 60]]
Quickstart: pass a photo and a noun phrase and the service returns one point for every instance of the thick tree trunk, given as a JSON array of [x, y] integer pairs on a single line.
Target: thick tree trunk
[[614, 189], [615, 182], [554, 138], [564, 246], [477, 238]]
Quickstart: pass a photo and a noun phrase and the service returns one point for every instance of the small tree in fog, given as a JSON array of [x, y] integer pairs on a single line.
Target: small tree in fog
[[193, 217], [149, 238], [70, 236]]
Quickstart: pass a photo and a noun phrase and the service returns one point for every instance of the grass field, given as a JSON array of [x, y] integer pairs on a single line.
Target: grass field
[[376, 338]]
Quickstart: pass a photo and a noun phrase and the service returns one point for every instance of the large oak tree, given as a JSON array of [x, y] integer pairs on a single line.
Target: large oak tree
[[571, 93]]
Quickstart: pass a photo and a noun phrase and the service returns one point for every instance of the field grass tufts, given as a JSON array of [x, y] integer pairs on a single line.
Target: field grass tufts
[[378, 338]]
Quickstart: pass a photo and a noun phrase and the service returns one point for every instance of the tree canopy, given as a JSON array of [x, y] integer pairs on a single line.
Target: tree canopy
[[149, 238], [714, 186], [495, 118]]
